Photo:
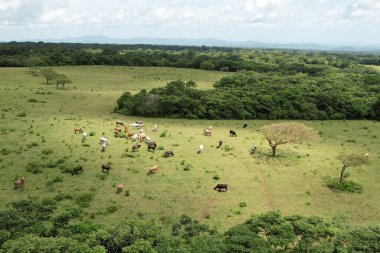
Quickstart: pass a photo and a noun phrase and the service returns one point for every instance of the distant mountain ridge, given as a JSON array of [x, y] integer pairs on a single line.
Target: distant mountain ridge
[[99, 39]]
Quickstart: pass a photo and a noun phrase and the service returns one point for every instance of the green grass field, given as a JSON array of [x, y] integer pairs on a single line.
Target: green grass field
[[292, 183]]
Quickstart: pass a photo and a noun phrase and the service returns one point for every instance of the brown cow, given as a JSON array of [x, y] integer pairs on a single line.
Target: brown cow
[[168, 154], [136, 147], [19, 182], [78, 130], [219, 187], [152, 170], [207, 131], [142, 136], [119, 188]]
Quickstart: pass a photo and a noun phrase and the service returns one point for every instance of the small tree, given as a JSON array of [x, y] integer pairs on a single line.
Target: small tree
[[49, 74], [287, 133], [207, 65], [62, 79], [352, 160]]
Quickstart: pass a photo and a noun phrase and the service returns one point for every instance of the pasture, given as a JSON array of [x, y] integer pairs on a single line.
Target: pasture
[[37, 122]]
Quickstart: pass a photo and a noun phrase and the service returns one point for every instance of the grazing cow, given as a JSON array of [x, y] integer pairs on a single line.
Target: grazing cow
[[141, 130], [155, 128], [168, 154], [152, 146], [219, 144], [137, 125], [84, 136], [253, 150], [104, 140], [104, 146], [76, 170], [148, 139], [219, 187], [233, 133], [134, 137], [19, 182], [116, 131], [130, 134], [106, 168], [136, 147], [245, 125], [142, 136], [207, 131], [366, 155], [152, 170], [200, 150], [119, 188], [78, 130], [126, 128], [118, 122]]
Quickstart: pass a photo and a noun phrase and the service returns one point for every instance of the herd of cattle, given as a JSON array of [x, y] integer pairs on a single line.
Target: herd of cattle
[[151, 145]]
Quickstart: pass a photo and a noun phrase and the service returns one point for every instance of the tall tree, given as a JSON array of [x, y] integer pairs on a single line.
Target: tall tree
[[61, 79], [350, 160], [287, 133]]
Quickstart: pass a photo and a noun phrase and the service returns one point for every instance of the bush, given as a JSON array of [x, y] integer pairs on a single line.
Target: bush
[[160, 148], [32, 100], [21, 114], [345, 186], [84, 199], [47, 151], [164, 134], [92, 133], [242, 204], [216, 177], [111, 209], [34, 168]]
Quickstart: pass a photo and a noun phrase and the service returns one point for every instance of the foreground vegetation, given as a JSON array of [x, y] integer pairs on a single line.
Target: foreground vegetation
[[37, 122], [28, 226]]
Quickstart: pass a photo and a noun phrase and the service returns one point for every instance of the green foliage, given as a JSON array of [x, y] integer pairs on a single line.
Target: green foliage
[[84, 199], [345, 186], [21, 114]]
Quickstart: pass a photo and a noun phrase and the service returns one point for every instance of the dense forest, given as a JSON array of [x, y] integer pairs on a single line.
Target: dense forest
[[30, 54], [31, 226], [328, 94]]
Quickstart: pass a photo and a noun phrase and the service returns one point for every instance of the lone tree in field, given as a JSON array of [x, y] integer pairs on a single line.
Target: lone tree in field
[[353, 160], [287, 133], [62, 79], [49, 74]]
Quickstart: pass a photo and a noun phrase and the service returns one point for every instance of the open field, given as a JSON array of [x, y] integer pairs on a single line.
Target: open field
[[292, 183]]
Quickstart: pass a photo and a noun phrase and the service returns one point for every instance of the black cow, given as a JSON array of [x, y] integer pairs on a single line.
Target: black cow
[[106, 168], [152, 146], [119, 123], [76, 170], [233, 133], [168, 154], [219, 187], [219, 144], [136, 147], [245, 125]]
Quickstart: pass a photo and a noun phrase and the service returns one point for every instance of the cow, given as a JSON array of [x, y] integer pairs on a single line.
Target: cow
[[142, 136], [136, 147], [137, 125], [219, 144], [233, 133], [76, 170], [366, 155], [207, 131], [148, 140], [168, 154], [116, 131], [152, 146], [119, 122], [19, 182], [78, 130], [155, 128], [104, 146], [152, 170], [84, 136], [106, 168], [104, 140], [245, 125], [253, 150], [200, 150], [134, 137], [119, 188], [219, 187]]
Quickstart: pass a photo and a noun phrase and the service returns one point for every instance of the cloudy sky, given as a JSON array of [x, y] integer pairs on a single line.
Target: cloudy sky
[[333, 22]]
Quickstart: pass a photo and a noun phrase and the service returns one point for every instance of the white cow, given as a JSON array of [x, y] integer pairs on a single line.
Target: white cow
[[200, 148], [104, 140], [137, 125], [148, 140], [134, 137], [84, 136], [104, 147]]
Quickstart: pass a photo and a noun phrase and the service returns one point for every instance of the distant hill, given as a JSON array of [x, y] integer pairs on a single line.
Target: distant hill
[[211, 42]]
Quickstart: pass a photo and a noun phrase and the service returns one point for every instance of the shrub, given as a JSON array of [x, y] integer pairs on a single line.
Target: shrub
[[47, 151], [84, 199], [32, 144], [92, 133], [62, 196], [345, 186], [21, 114], [242, 204], [53, 181], [164, 133], [127, 193], [160, 148], [111, 209], [5, 151], [34, 167], [32, 100], [216, 177], [187, 167]]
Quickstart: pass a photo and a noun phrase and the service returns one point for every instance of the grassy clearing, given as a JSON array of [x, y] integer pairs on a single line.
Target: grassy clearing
[[292, 183]]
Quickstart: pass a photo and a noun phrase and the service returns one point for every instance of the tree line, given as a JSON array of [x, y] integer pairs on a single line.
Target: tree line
[[333, 94], [31, 226], [30, 54]]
